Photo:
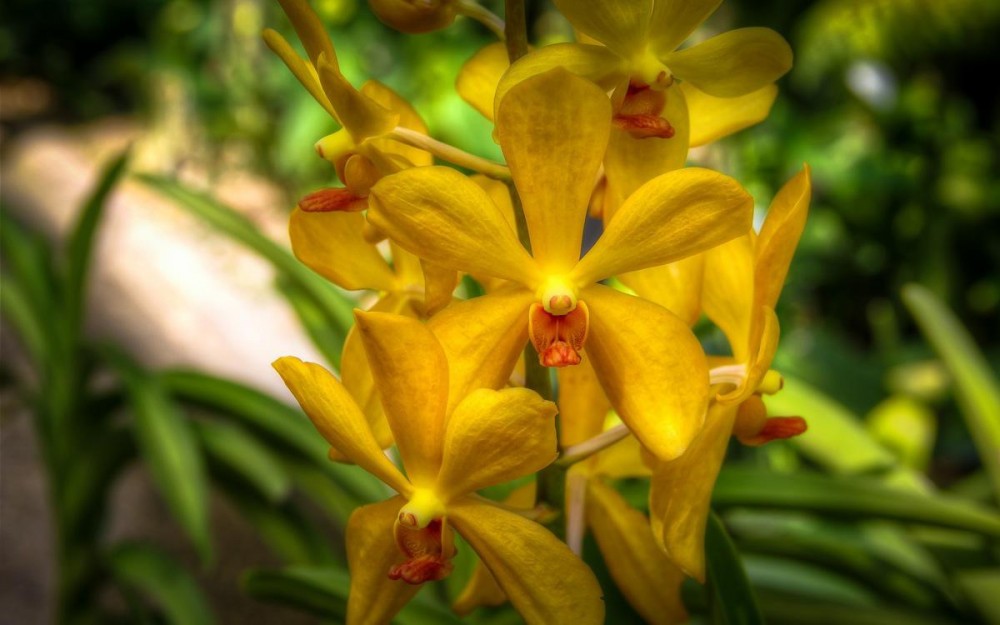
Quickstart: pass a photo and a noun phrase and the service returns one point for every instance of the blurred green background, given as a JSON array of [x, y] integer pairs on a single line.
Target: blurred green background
[[895, 105]]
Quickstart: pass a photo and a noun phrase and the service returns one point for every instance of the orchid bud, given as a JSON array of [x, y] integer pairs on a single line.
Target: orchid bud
[[414, 16]]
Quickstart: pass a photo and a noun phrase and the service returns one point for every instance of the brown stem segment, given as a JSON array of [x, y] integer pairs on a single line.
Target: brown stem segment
[[516, 29]]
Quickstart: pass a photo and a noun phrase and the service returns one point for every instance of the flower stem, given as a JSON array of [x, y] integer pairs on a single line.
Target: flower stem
[[450, 153], [516, 29], [489, 19], [582, 451]]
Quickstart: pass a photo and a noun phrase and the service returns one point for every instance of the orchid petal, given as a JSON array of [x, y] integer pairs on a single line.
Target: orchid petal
[[779, 236], [583, 405], [727, 294], [302, 70], [647, 578], [439, 214], [734, 63], [673, 21], [553, 129], [408, 118], [595, 63], [763, 347], [651, 366], [712, 118], [494, 437], [681, 490], [483, 339], [332, 410], [670, 217], [621, 460], [478, 79], [331, 244], [545, 581], [359, 114], [676, 286], [411, 374], [371, 551], [621, 25], [310, 30]]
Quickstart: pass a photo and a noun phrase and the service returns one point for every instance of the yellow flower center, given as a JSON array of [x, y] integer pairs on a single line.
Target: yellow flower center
[[647, 68], [424, 506], [557, 296], [336, 148]]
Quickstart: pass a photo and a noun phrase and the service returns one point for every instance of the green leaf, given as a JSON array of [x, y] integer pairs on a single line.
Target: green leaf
[[323, 591], [976, 386], [791, 577], [236, 450], [336, 307], [162, 580], [15, 304], [731, 599], [836, 438], [286, 530], [982, 586], [170, 449], [81, 242], [848, 497], [907, 427], [28, 258], [88, 479], [328, 339], [274, 421]]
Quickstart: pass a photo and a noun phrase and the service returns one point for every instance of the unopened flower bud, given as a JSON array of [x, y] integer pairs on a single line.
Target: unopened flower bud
[[414, 16]]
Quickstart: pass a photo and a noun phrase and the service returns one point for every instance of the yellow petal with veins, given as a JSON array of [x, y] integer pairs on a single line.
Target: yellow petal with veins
[[545, 581], [763, 347], [360, 115], [439, 214], [681, 491], [408, 118], [621, 460], [595, 63], [647, 578], [734, 63], [483, 339], [583, 405], [676, 286], [675, 215], [332, 410], [553, 129], [712, 118], [494, 437], [651, 366], [411, 374], [301, 69], [478, 79], [439, 285], [374, 599], [673, 21], [310, 30], [500, 194], [727, 294], [332, 245], [621, 25], [631, 162], [779, 236]]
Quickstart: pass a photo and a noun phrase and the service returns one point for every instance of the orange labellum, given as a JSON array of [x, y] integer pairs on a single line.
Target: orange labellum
[[558, 339], [428, 559], [640, 111], [332, 199], [776, 428]]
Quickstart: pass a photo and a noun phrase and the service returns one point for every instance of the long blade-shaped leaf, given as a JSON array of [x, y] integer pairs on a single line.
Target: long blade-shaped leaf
[[170, 449], [732, 600], [239, 452], [337, 308], [977, 387], [157, 576], [853, 497]]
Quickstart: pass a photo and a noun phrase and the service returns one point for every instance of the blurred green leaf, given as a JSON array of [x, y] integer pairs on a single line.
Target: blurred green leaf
[[836, 438], [804, 580], [848, 497], [170, 449], [977, 388], [275, 420], [907, 427], [238, 451], [81, 242], [15, 304], [982, 586], [326, 490], [337, 308], [28, 261], [782, 609], [284, 528], [88, 479], [731, 599], [159, 577], [328, 339]]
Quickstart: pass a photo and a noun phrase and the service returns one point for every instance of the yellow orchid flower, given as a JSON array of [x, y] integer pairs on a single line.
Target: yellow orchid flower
[[487, 438], [362, 150], [667, 99], [553, 129], [743, 280]]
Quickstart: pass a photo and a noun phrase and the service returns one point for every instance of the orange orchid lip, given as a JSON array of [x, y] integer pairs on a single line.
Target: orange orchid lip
[[333, 199], [558, 339]]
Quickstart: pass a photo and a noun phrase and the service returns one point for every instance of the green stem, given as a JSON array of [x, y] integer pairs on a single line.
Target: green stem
[[516, 29]]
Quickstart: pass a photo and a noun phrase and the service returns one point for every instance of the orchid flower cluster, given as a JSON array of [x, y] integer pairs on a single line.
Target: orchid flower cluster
[[441, 397]]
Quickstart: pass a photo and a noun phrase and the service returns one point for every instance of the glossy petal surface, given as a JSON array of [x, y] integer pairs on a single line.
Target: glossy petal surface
[[651, 366], [734, 63], [478, 79], [621, 25], [494, 437], [332, 245], [332, 410], [673, 21], [545, 581], [712, 118]]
